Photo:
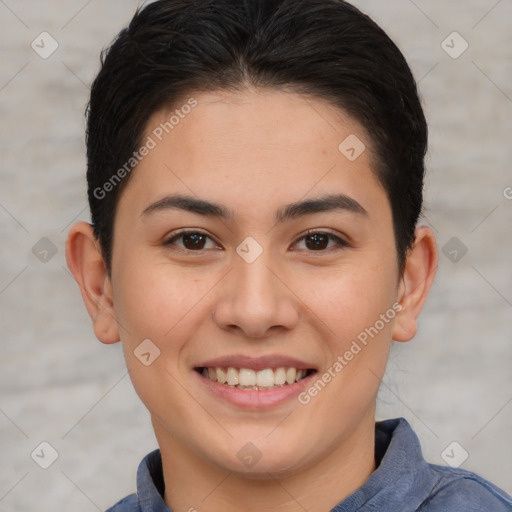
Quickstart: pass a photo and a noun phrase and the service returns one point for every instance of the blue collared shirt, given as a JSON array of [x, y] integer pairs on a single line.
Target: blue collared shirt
[[402, 482]]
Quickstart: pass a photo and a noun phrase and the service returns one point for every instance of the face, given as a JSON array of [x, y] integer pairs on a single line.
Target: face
[[262, 287]]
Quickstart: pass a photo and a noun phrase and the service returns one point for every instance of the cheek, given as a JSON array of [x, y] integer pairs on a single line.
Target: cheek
[[150, 299], [155, 302], [349, 299], [358, 309]]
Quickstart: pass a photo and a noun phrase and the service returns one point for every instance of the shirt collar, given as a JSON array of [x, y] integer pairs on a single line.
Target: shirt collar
[[150, 484], [402, 473]]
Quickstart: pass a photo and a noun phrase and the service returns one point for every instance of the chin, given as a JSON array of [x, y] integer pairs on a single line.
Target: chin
[[272, 460]]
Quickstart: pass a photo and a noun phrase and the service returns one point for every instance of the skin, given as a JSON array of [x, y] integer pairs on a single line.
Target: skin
[[254, 152]]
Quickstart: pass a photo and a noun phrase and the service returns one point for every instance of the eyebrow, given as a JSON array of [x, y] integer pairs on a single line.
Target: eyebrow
[[285, 213]]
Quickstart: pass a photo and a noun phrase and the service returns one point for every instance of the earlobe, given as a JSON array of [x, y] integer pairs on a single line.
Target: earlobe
[[86, 263], [420, 269]]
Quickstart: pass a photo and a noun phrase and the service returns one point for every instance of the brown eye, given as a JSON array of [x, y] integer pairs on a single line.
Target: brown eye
[[191, 240], [319, 241]]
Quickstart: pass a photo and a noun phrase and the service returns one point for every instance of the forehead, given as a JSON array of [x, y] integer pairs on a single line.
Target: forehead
[[253, 148], [266, 119]]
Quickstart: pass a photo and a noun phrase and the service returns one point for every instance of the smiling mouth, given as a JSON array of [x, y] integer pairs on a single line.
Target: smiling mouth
[[248, 379]]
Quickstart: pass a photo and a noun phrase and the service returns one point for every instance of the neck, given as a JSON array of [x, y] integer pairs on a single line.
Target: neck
[[195, 483]]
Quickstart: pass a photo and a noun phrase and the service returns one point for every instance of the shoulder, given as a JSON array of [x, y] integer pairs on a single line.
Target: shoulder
[[128, 504], [150, 486], [461, 490], [412, 483]]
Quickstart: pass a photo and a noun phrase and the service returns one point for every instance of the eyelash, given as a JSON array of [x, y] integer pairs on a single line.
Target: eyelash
[[340, 242]]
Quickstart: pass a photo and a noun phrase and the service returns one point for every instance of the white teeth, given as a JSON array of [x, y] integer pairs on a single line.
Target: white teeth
[[280, 376], [247, 377], [291, 373], [265, 378], [232, 377], [221, 375], [252, 379]]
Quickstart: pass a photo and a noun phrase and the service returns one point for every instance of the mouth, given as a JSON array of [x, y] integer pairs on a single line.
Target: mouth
[[249, 379]]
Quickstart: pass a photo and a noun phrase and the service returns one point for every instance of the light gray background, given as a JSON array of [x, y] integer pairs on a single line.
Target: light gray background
[[59, 384]]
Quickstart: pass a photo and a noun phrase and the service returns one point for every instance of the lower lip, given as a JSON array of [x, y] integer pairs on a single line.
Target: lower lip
[[255, 399]]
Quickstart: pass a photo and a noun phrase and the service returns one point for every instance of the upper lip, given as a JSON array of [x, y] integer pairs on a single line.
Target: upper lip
[[257, 363]]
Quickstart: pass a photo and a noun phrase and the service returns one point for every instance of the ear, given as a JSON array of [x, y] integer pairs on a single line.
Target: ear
[[86, 263], [419, 272]]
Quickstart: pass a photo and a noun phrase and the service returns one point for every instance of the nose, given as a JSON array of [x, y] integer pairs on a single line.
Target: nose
[[257, 298]]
